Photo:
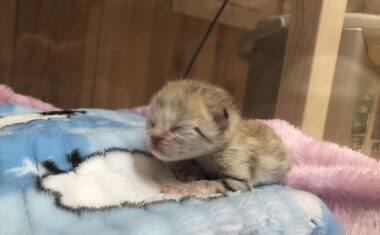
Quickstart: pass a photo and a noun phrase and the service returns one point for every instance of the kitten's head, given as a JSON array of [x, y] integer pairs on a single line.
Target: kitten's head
[[189, 119]]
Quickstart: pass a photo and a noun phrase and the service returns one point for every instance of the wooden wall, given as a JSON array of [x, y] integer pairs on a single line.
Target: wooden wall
[[109, 53]]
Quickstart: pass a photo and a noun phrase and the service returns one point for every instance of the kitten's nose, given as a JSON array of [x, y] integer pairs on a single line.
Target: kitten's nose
[[156, 139]]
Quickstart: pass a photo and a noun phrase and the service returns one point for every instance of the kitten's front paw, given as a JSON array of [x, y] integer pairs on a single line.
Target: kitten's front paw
[[197, 188], [172, 190], [177, 190]]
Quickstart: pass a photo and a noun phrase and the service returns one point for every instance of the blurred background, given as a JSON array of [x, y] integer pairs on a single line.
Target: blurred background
[[117, 53]]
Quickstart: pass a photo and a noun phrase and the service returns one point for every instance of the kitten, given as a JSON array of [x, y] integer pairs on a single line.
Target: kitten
[[194, 121]]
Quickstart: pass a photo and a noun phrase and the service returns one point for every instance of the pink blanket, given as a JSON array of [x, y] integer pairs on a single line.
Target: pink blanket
[[8, 96], [348, 181]]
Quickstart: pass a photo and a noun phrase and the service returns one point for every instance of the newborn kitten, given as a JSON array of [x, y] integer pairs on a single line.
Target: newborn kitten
[[192, 120]]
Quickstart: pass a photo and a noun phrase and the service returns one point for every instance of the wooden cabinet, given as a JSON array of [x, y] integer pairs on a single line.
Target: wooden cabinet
[[341, 108]]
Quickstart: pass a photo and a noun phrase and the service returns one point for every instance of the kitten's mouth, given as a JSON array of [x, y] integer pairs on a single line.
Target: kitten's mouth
[[160, 148]]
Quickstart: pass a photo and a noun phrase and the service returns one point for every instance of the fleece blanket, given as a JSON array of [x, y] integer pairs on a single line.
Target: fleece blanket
[[87, 172], [346, 180]]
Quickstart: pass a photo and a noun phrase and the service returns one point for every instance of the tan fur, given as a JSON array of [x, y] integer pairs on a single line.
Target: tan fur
[[201, 122]]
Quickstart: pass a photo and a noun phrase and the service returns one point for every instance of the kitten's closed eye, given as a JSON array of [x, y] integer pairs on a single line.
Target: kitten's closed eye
[[175, 128], [178, 127], [198, 130]]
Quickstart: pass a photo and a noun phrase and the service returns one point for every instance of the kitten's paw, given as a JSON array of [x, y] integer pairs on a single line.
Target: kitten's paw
[[193, 192], [172, 190], [183, 191], [202, 188]]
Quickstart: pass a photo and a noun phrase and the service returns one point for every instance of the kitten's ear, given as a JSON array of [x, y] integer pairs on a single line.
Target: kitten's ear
[[220, 117]]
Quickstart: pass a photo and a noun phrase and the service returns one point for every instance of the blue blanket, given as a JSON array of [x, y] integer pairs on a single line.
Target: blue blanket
[[88, 172]]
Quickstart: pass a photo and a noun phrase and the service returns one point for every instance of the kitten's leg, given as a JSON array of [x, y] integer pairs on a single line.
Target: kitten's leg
[[207, 187]]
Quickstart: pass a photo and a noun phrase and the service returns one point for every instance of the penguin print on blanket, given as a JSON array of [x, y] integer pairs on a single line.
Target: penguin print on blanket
[[112, 178]]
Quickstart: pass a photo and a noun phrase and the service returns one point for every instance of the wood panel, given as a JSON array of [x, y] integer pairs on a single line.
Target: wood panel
[[137, 57], [247, 13], [164, 62], [123, 51], [310, 57], [32, 46], [7, 33], [238, 13], [174, 42], [55, 50], [228, 71], [372, 6], [110, 53], [189, 34], [355, 5], [352, 5]]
